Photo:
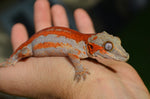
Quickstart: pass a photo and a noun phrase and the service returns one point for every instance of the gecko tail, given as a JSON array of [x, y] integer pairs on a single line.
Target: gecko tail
[[2, 61], [7, 62], [3, 64]]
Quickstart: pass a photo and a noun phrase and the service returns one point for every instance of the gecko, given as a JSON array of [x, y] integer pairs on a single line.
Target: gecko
[[61, 41]]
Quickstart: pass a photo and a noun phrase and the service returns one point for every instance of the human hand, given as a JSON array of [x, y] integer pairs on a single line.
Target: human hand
[[53, 76]]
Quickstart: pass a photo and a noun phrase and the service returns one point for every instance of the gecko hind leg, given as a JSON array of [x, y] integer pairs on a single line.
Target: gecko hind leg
[[80, 71]]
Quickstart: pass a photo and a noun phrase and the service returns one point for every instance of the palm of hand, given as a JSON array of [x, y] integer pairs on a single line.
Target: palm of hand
[[42, 77]]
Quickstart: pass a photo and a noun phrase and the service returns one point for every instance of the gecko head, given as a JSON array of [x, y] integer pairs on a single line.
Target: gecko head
[[106, 46]]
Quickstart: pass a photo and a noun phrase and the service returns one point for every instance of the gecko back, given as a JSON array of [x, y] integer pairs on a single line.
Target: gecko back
[[53, 41]]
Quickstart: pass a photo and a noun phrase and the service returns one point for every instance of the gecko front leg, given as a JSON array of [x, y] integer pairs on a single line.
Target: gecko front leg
[[80, 71]]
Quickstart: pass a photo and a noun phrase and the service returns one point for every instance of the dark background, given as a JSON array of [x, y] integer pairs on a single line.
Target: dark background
[[128, 19]]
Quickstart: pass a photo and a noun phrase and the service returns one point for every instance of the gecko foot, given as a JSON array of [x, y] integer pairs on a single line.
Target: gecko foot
[[81, 74]]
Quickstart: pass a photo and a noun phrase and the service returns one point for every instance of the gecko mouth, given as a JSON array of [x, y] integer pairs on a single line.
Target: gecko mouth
[[122, 57], [118, 57], [119, 54]]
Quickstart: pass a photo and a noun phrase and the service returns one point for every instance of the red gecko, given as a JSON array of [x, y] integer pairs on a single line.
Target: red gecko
[[60, 41]]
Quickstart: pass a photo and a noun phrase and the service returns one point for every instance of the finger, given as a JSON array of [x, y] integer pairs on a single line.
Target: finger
[[59, 16], [83, 21], [42, 16], [18, 35]]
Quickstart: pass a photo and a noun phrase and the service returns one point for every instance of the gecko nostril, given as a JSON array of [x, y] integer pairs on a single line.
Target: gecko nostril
[[127, 56]]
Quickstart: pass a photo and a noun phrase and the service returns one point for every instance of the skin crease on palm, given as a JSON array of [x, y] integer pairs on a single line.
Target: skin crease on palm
[[53, 76]]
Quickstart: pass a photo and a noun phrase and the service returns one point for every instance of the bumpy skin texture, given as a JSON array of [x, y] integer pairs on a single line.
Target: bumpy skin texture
[[60, 41]]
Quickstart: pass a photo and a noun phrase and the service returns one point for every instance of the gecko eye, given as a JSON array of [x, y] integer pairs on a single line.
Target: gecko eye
[[108, 46]]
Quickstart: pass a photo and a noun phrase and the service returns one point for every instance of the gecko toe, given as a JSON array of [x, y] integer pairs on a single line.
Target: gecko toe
[[81, 74]]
